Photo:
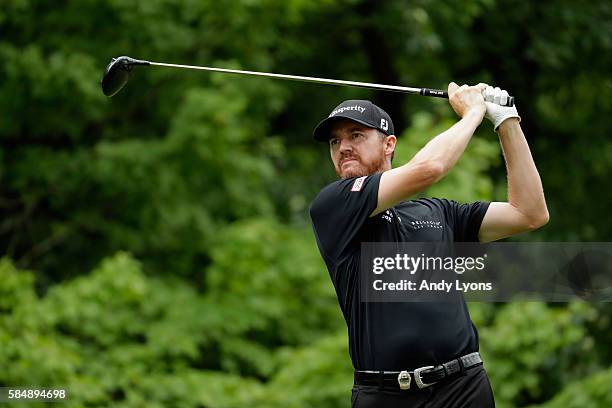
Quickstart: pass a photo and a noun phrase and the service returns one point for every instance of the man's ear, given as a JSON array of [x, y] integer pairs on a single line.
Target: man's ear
[[390, 143]]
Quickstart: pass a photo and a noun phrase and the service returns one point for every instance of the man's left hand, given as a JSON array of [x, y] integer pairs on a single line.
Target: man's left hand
[[497, 113]]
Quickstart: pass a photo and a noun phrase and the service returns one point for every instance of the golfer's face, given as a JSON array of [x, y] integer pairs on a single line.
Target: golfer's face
[[356, 150]]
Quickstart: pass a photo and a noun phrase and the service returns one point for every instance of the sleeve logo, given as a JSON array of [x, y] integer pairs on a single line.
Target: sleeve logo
[[358, 183]]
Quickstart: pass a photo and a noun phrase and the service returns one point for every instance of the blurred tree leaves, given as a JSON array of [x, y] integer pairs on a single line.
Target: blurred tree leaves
[[158, 249], [532, 349], [118, 337], [593, 391], [85, 176]]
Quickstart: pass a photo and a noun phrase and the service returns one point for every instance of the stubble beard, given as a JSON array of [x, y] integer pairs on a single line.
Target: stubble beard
[[361, 169]]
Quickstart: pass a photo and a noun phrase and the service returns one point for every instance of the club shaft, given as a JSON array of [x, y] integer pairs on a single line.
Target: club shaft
[[382, 87], [117, 73]]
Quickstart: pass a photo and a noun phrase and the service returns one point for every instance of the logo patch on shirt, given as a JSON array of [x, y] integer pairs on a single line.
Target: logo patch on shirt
[[358, 184]]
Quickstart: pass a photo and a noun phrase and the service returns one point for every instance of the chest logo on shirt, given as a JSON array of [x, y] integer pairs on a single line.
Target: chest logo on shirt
[[358, 183], [420, 224]]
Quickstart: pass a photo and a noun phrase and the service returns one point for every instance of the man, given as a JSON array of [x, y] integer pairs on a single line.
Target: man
[[393, 346]]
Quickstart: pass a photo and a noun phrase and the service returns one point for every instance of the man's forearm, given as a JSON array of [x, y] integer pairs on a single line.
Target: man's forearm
[[525, 190], [438, 156], [446, 148]]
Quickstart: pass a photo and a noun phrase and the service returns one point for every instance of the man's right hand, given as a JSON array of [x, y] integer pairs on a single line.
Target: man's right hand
[[465, 98]]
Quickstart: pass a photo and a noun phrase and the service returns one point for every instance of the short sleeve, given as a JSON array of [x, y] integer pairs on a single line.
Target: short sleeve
[[464, 219], [339, 211]]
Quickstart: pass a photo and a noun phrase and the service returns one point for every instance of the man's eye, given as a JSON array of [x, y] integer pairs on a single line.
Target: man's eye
[[333, 142], [356, 135]]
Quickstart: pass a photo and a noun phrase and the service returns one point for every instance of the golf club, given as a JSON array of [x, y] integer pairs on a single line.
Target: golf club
[[117, 73]]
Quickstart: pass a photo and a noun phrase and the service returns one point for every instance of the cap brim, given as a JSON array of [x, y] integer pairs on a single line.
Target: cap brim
[[323, 129]]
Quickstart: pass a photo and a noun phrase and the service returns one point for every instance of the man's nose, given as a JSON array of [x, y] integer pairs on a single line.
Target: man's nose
[[345, 145]]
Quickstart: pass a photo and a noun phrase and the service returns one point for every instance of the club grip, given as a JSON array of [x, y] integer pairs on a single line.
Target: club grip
[[443, 94], [434, 92]]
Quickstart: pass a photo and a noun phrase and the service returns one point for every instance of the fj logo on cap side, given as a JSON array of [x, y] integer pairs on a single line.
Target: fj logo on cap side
[[358, 183], [384, 125]]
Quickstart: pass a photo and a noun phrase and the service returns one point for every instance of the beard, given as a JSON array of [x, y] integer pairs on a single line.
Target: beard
[[360, 169]]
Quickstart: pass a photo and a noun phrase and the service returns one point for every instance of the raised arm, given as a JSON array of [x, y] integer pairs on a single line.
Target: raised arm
[[439, 155], [525, 209]]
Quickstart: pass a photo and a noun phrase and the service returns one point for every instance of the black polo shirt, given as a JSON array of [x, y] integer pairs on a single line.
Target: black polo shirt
[[393, 336]]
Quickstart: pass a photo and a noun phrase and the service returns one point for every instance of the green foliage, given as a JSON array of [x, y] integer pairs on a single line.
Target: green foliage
[[319, 375], [593, 391], [118, 335], [531, 349], [271, 271], [31, 352], [15, 287], [156, 248]]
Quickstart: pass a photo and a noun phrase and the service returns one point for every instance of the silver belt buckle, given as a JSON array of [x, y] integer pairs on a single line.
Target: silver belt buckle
[[404, 380], [418, 379]]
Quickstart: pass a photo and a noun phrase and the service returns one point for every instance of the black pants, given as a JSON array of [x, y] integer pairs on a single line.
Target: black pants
[[471, 389]]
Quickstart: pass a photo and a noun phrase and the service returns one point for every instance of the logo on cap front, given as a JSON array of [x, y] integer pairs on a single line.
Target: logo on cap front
[[358, 108]]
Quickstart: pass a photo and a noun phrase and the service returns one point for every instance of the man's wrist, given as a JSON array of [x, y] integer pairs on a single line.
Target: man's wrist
[[475, 114], [476, 111], [508, 124]]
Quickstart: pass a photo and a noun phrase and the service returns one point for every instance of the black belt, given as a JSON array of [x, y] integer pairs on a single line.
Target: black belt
[[423, 376]]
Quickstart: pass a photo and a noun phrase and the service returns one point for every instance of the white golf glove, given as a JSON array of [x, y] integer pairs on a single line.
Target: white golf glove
[[497, 113]]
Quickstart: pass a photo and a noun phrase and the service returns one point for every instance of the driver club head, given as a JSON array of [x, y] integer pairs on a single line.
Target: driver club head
[[117, 73]]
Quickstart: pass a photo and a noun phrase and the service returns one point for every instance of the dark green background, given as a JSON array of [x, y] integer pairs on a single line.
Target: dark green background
[[157, 247]]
